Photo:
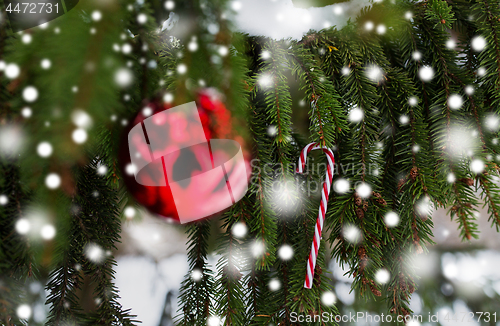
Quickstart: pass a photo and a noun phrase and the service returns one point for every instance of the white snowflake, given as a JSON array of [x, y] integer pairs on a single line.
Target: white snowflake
[[369, 25], [408, 15], [168, 98], [126, 48], [30, 94], [451, 177], [48, 232], [337, 10], [196, 275], [239, 230], [265, 55], [53, 181], [374, 73], [341, 186], [382, 276], [352, 234], [79, 136], [124, 77], [455, 101], [426, 73], [416, 148], [423, 206], [142, 18], [129, 212], [96, 15], [404, 119], [469, 90], [81, 119], [356, 115], [223, 51], [213, 321], [258, 248], [328, 298], [451, 44], [381, 29], [345, 71], [265, 80], [272, 131], [44, 149], [26, 112], [416, 56], [285, 252], [23, 226], [478, 43], [236, 5], [26, 38], [23, 311], [391, 219], [274, 284], [45, 63], [481, 71], [182, 69], [94, 253], [3, 200], [492, 122], [477, 166], [11, 140], [12, 71], [193, 45], [169, 5], [412, 101], [364, 190], [147, 111]]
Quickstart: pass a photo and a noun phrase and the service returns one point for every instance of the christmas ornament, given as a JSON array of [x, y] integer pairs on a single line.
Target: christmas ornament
[[311, 262], [174, 167]]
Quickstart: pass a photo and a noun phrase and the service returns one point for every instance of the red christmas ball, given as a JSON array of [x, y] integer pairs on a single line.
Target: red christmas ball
[[178, 168]]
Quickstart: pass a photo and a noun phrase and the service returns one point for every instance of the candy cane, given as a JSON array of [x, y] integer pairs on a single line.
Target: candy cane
[[311, 262]]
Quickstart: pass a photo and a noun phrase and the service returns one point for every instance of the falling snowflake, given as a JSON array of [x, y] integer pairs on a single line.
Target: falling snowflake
[[142, 18], [102, 169], [416, 148], [451, 44], [213, 321], [94, 253], [12, 71], [451, 178], [477, 166], [356, 115], [272, 131], [285, 252], [408, 15], [258, 249], [423, 206], [45, 63], [391, 219], [382, 276], [426, 73], [23, 226], [223, 51], [193, 45], [369, 25], [469, 90], [455, 101], [341, 186], [48, 232], [364, 190], [274, 284], [11, 140], [412, 101], [79, 136], [96, 15], [337, 10], [181, 68], [26, 39], [265, 80], [404, 119], [265, 55], [328, 298], [129, 212], [23, 311], [239, 230], [352, 234], [381, 29], [123, 77], [168, 98], [345, 71], [196, 275], [481, 71], [30, 94], [374, 73], [169, 5], [492, 122], [416, 56], [26, 112], [44, 149], [478, 43], [53, 181], [81, 119], [3, 200]]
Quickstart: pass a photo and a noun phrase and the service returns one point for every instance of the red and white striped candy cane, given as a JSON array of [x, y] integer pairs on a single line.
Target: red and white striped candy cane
[[311, 262]]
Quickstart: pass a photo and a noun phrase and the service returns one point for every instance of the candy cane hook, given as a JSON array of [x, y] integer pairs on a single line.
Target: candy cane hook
[[311, 262]]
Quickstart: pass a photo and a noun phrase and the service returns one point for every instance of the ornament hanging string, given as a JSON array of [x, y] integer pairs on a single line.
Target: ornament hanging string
[[311, 262]]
